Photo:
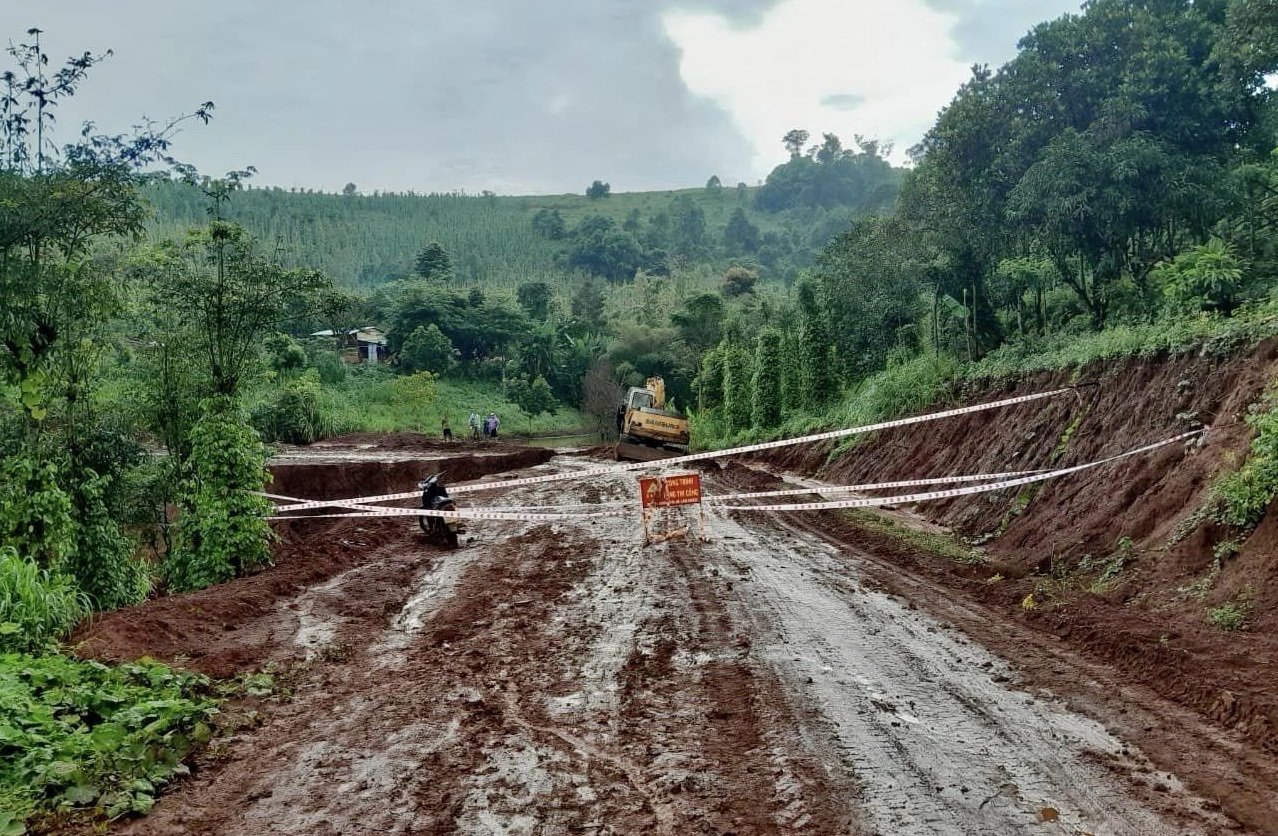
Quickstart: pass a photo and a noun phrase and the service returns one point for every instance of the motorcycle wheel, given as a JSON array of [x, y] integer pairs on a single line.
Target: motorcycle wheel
[[450, 538], [424, 522]]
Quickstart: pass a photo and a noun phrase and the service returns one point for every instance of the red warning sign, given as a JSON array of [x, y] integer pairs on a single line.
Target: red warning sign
[[668, 491]]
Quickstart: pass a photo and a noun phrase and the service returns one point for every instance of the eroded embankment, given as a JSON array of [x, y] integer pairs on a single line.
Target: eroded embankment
[[1116, 560], [241, 625]]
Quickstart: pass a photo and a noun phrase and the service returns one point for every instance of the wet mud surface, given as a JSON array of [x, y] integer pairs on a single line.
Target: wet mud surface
[[564, 679]]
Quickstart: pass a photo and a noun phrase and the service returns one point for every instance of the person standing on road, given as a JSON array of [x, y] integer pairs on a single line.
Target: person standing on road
[[473, 421], [447, 428], [493, 423]]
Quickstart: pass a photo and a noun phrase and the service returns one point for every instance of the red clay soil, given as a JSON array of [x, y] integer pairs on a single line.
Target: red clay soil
[[491, 709], [240, 626], [1148, 623]]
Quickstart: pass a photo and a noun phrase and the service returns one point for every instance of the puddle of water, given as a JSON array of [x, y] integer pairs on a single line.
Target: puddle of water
[[562, 441]]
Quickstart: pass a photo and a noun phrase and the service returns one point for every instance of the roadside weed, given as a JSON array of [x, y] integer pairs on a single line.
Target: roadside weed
[[36, 607], [77, 735]]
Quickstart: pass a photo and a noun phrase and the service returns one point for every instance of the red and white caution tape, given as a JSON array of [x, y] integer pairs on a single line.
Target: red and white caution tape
[[860, 502], [677, 460], [417, 494], [873, 486], [869, 502], [460, 514]]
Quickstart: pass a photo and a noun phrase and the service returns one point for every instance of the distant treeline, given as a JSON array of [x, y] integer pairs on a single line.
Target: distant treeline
[[362, 241]]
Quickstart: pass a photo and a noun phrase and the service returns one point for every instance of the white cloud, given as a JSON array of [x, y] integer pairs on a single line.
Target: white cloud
[[882, 68]]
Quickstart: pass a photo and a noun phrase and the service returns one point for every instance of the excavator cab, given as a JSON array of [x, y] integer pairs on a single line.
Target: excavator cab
[[640, 399]]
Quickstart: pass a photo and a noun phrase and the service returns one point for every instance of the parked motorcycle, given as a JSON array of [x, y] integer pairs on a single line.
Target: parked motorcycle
[[443, 530]]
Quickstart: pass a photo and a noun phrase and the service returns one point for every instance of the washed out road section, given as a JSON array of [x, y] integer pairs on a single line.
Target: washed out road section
[[567, 680]]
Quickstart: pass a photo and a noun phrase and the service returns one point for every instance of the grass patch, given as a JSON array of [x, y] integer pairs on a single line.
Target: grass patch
[[36, 607], [1107, 571], [376, 400], [936, 543], [1173, 335], [77, 736], [1243, 496], [1230, 617]]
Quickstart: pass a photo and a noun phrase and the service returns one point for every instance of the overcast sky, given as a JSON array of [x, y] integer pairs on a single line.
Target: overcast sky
[[523, 96]]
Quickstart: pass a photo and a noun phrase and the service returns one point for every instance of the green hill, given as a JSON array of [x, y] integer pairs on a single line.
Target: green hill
[[362, 241]]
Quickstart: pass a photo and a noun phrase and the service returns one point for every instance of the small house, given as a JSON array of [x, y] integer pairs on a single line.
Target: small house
[[360, 345]]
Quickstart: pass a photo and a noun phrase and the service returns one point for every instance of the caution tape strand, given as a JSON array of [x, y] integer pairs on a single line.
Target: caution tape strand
[[691, 457], [1031, 477], [904, 499]]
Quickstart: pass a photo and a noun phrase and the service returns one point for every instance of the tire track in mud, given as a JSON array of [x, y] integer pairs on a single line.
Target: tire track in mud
[[510, 691], [923, 717], [560, 679]]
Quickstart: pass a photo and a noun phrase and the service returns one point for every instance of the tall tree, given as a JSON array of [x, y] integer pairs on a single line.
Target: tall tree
[[588, 306], [549, 224], [688, 227], [230, 296], [766, 412], [537, 299], [600, 396], [433, 263], [740, 236], [794, 141], [738, 392], [698, 321]]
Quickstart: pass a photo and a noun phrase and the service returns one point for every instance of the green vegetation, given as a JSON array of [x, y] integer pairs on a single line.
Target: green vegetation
[[1111, 191], [1134, 210], [363, 241], [1244, 495], [929, 541], [371, 400], [76, 735], [1230, 617], [36, 607]]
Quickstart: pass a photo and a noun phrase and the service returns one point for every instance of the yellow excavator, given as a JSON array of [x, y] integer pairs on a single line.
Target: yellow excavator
[[646, 430]]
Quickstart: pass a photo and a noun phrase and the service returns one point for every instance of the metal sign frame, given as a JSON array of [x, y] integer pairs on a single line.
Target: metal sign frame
[[659, 493]]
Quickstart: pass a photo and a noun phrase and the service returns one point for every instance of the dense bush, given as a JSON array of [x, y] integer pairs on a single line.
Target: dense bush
[[36, 517], [426, 349], [738, 396], [285, 354], [329, 367], [1208, 277], [767, 380], [296, 414], [104, 562], [80, 734], [222, 528]]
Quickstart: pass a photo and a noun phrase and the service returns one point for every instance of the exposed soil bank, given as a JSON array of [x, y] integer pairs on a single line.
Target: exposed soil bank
[[241, 625], [1139, 608]]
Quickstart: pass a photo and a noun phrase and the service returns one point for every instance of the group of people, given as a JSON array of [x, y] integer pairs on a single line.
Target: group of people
[[487, 425]]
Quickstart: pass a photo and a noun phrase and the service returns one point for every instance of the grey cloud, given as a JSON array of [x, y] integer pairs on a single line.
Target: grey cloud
[[510, 95], [988, 30], [507, 95]]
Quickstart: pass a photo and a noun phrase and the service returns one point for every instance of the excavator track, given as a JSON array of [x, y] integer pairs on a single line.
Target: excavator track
[[628, 451]]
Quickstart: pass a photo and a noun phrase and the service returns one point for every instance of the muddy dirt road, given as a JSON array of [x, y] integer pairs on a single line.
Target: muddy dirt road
[[561, 679]]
